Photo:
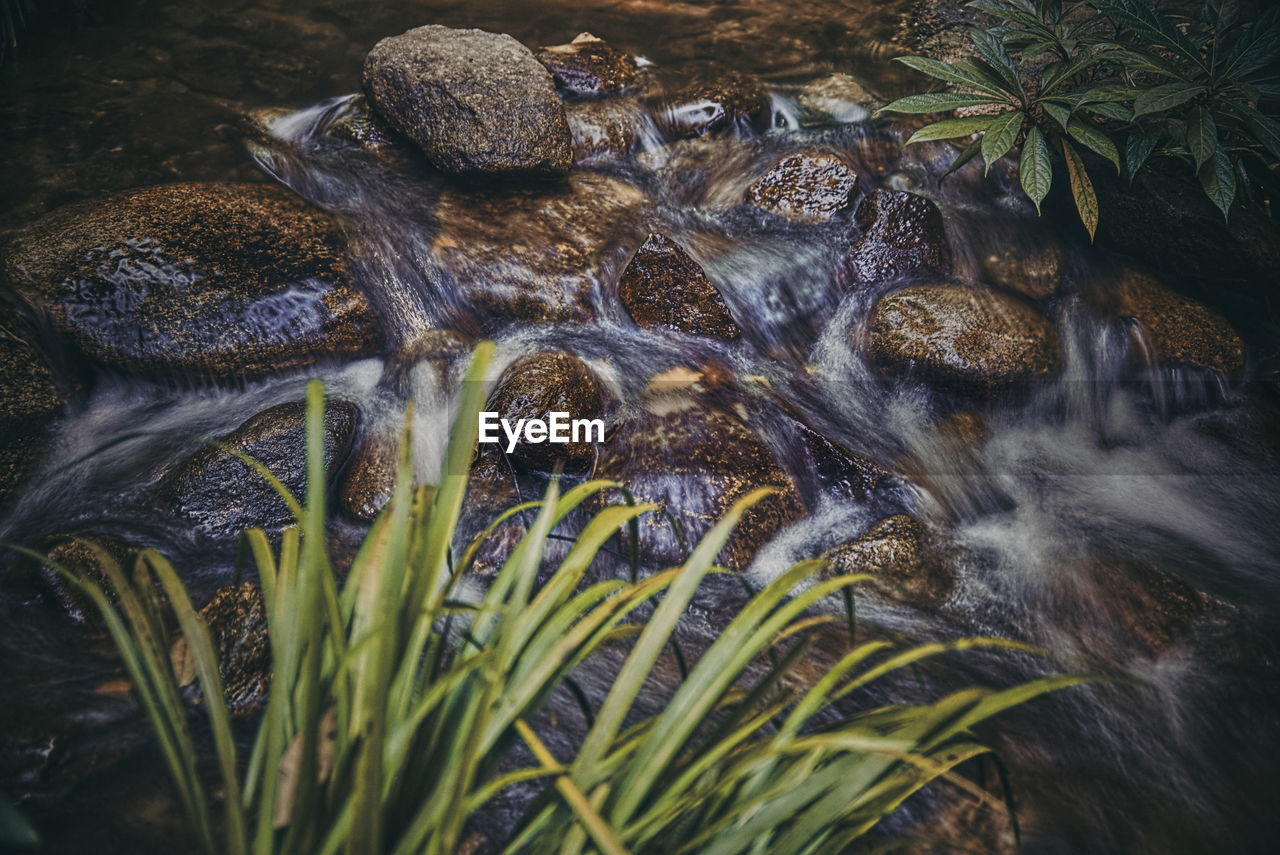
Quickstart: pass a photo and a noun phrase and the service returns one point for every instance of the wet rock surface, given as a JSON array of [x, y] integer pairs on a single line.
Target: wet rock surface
[[221, 496], [82, 555], [902, 236], [29, 401], [1150, 607], [663, 287], [1182, 331], [809, 187], [836, 98], [477, 103], [697, 462], [709, 98], [898, 551], [589, 67], [607, 128], [370, 479], [196, 280], [537, 385], [236, 618], [970, 337], [1033, 270]]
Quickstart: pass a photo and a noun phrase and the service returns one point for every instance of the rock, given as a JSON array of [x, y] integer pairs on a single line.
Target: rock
[[588, 67], [836, 97], [898, 552], [236, 618], [697, 462], [195, 280], [840, 472], [370, 479], [902, 236], [82, 554], [222, 496], [663, 288], [1182, 331], [809, 187], [438, 348], [532, 254], [973, 338], [710, 98], [608, 128], [19, 455], [29, 402], [536, 385], [477, 103], [359, 124], [1032, 269], [1152, 609]]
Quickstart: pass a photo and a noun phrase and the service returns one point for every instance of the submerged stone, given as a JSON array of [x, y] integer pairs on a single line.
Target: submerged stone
[[83, 555], [663, 288], [710, 98], [898, 552], [902, 236], [809, 187], [972, 338], [195, 280], [477, 103], [607, 128], [589, 67]]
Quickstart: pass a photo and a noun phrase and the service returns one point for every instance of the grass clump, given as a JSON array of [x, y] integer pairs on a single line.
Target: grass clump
[[398, 709]]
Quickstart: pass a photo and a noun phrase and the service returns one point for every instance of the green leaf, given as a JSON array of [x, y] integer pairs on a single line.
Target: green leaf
[[992, 49], [1036, 171], [1219, 181], [1000, 137], [1093, 138], [937, 102], [953, 74], [15, 831], [1060, 73], [964, 157], [1202, 135], [1265, 128], [1258, 48], [1161, 98], [1110, 111], [952, 128], [1153, 24], [1081, 189], [1058, 113], [1138, 149], [1135, 60]]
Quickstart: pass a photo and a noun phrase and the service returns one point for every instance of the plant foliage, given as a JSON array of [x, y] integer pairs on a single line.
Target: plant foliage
[[1117, 77], [398, 709]]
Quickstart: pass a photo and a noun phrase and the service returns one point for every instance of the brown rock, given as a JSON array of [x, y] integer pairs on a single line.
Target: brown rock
[[902, 236], [973, 338], [1182, 331], [710, 98], [236, 618], [607, 128], [809, 187], [195, 280], [1033, 271], [536, 385], [29, 402], [1150, 607], [370, 479], [83, 555], [898, 552], [662, 287], [588, 67], [836, 97], [697, 462]]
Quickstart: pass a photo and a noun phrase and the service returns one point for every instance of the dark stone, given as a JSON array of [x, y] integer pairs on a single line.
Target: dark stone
[[841, 472], [1031, 267], [29, 402], [1182, 331], [902, 236], [359, 124], [697, 462], [1151, 608], [477, 103], [533, 254], [195, 280], [236, 618], [972, 338], [662, 287], [536, 385], [83, 555], [588, 67], [809, 187], [898, 553], [710, 98], [222, 496]]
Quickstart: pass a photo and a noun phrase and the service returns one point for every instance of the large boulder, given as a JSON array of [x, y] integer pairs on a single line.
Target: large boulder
[[1181, 331], [902, 235], [588, 67], [222, 496], [662, 287], [696, 462], [710, 98], [477, 103], [537, 385], [971, 338], [898, 552], [194, 280], [532, 254], [808, 187]]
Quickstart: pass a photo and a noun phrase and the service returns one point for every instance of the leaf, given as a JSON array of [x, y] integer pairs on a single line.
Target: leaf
[[992, 49], [952, 128], [953, 74], [1081, 189], [1219, 181], [1058, 113], [1094, 139], [1257, 48], [15, 831], [1135, 60], [1155, 25], [1202, 135], [937, 102], [1035, 172], [1265, 128], [1060, 73], [1000, 137], [1110, 111], [1138, 149], [964, 157], [1161, 98]]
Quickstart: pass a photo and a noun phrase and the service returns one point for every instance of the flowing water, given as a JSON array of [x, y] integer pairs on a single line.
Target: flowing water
[[1118, 457]]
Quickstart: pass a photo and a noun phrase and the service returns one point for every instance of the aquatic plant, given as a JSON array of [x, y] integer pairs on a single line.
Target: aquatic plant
[[399, 708], [13, 18], [1120, 75]]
